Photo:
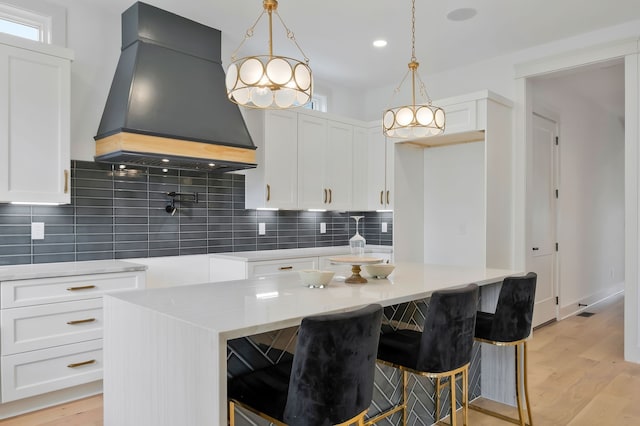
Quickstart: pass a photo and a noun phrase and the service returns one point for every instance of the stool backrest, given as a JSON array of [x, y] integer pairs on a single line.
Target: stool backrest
[[514, 311], [447, 337], [333, 367]]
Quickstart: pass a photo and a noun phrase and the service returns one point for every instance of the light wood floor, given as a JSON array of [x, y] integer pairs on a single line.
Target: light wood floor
[[577, 377]]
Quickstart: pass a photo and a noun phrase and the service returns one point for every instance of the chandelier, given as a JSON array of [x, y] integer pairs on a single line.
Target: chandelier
[[269, 81], [415, 120]]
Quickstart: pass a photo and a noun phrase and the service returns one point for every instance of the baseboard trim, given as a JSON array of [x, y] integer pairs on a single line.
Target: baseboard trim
[[585, 303]]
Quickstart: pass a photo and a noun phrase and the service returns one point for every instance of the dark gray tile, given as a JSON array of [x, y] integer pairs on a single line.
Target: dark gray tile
[[164, 236], [127, 202], [193, 228], [242, 247], [94, 202], [128, 186], [164, 252], [94, 211], [8, 240], [53, 210], [220, 249], [59, 229], [124, 211], [81, 247], [132, 229], [94, 229], [131, 237], [94, 238], [193, 243], [131, 254], [15, 250], [95, 256], [92, 185], [54, 257], [131, 245], [15, 220], [16, 210], [164, 245], [163, 227], [94, 220], [192, 251], [131, 220], [15, 260], [217, 235], [53, 248], [53, 220], [221, 242], [287, 245], [56, 239]]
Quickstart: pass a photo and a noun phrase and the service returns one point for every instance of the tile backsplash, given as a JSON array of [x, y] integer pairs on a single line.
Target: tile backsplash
[[118, 214]]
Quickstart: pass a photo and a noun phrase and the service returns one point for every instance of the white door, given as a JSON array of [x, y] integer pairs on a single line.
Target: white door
[[542, 213]]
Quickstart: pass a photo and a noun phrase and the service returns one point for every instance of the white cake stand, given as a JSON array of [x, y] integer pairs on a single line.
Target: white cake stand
[[355, 262]]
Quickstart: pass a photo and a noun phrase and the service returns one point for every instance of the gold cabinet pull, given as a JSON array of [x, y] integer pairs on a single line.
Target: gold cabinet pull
[[381, 195], [330, 195], [66, 181], [84, 287], [80, 364], [82, 321], [268, 192], [388, 197], [325, 195], [285, 268]]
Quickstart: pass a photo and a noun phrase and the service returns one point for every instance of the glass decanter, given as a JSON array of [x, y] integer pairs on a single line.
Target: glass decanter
[[357, 242]]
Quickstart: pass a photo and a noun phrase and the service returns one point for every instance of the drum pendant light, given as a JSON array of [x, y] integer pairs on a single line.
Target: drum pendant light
[[414, 120], [269, 81]]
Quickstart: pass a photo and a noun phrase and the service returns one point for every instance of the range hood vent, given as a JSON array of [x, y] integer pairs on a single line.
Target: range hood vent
[[167, 106]]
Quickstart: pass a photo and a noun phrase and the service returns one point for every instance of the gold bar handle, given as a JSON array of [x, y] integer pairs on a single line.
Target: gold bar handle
[[82, 321], [381, 195], [66, 181], [84, 287], [388, 197], [80, 364], [325, 195], [268, 192], [285, 268], [330, 195]]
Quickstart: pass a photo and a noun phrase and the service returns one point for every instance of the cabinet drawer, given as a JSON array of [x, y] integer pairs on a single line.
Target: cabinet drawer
[[39, 327], [273, 267], [61, 289], [36, 372]]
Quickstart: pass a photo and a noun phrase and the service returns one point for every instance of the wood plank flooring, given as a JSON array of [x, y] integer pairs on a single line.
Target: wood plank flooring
[[577, 377]]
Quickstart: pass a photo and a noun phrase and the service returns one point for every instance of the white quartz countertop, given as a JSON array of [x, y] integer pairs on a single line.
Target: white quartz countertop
[[254, 256], [246, 307], [66, 269]]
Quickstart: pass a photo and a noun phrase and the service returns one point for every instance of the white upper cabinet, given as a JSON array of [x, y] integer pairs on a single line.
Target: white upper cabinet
[[360, 169], [34, 122], [379, 170], [325, 152], [274, 183]]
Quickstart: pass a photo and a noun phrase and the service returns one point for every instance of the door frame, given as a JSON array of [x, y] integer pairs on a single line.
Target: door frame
[[629, 50]]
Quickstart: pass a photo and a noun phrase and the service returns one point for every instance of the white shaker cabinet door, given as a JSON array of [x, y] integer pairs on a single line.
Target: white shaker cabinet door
[[313, 192], [34, 126], [339, 166]]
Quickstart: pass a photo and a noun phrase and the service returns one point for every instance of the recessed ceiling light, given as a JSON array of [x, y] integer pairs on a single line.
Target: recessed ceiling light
[[462, 14], [212, 164], [380, 43], [165, 160]]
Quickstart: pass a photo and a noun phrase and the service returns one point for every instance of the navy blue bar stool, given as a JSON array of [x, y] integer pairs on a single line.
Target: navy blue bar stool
[[441, 351], [510, 325], [328, 382]]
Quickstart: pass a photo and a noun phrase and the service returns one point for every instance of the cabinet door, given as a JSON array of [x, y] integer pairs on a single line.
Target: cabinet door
[[312, 141], [390, 147], [376, 192], [34, 127], [280, 156], [360, 169], [339, 165]]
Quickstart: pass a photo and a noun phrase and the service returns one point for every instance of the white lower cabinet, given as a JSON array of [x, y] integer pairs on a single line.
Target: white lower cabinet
[[37, 372], [276, 267], [52, 331]]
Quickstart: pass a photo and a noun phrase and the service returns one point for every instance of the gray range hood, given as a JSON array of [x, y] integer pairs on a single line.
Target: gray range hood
[[168, 106]]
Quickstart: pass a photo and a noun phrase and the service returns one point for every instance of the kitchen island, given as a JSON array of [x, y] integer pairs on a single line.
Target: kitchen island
[[168, 351]]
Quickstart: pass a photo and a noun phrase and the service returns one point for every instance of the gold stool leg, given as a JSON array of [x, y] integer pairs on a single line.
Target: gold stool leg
[[232, 413], [519, 385], [452, 385], [405, 381], [526, 385], [438, 388], [465, 395]]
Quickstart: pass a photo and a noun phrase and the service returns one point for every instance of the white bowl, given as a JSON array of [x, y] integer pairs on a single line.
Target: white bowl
[[314, 278], [379, 270]]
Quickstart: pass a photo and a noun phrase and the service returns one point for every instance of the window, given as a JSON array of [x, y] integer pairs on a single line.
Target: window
[[20, 29], [34, 20], [318, 103]]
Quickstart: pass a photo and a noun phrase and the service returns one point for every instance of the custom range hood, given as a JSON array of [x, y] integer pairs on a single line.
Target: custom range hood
[[167, 106]]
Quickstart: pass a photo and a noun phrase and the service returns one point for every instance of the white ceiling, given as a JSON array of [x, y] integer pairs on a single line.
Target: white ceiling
[[337, 34]]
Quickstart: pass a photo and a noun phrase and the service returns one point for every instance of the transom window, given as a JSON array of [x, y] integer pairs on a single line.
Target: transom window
[[29, 24]]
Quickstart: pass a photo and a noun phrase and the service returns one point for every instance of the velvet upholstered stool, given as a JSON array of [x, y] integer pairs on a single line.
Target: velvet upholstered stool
[[442, 350], [510, 325], [329, 381]]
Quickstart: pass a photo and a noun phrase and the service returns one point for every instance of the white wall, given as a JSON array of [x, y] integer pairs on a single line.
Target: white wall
[[591, 182], [454, 205]]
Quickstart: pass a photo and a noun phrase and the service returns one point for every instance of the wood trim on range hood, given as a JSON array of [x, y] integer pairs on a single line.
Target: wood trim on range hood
[[124, 143]]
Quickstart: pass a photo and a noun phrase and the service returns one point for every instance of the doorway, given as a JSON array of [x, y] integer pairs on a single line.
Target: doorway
[[580, 205]]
